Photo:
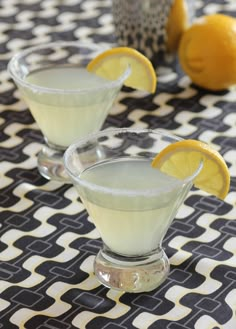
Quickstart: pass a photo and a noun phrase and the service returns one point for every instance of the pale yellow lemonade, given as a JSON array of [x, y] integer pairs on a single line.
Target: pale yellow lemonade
[[64, 117], [131, 223]]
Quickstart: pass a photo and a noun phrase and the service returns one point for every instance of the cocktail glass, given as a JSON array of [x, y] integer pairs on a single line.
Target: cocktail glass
[[66, 101], [131, 204]]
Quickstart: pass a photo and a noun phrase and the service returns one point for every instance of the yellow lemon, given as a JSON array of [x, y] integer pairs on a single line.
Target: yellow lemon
[[181, 159], [207, 52], [177, 23], [113, 62]]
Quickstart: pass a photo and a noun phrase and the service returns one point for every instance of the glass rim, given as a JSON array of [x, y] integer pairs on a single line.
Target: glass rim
[[110, 84], [119, 191]]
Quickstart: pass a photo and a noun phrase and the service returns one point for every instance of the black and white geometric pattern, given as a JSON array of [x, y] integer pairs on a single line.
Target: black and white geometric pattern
[[47, 243]]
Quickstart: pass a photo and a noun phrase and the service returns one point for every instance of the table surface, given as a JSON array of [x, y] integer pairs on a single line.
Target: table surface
[[47, 245]]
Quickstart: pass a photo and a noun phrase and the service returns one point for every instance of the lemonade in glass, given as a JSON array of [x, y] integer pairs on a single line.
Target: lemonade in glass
[[66, 100], [131, 204]]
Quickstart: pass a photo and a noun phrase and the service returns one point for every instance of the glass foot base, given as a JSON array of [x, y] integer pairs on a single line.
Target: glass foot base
[[51, 166], [134, 274]]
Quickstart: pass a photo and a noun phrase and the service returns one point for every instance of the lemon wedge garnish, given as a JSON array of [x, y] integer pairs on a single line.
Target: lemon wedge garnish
[[112, 63], [181, 159]]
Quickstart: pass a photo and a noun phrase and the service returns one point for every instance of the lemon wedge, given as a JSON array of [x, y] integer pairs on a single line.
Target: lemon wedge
[[181, 159], [112, 63]]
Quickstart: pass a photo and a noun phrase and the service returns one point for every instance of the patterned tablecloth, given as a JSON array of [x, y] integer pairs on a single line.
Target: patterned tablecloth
[[47, 245]]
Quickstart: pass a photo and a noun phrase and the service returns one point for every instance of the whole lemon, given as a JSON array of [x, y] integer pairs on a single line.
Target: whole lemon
[[177, 23], [207, 52]]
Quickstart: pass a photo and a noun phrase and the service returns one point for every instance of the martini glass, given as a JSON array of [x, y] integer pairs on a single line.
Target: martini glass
[[131, 204], [66, 101]]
